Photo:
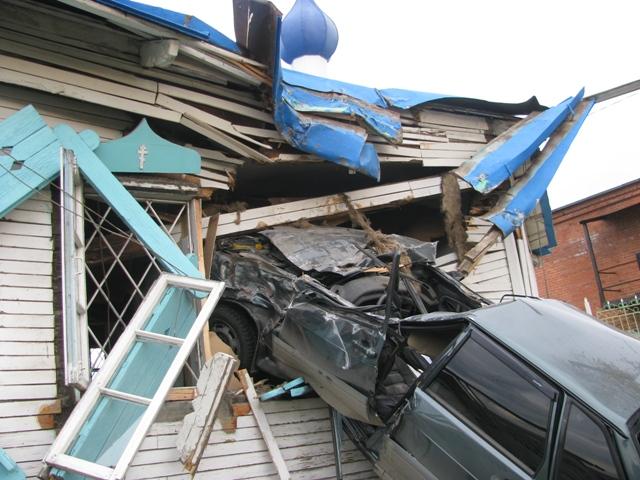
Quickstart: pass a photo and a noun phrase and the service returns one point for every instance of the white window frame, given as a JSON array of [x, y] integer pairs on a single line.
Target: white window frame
[[57, 456]]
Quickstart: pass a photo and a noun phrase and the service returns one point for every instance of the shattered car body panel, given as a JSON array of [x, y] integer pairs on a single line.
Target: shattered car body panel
[[456, 392], [322, 315]]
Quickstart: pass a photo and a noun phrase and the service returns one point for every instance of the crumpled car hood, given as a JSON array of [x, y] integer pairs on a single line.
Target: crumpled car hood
[[338, 250]]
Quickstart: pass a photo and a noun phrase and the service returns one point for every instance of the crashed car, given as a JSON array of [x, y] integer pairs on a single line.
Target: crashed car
[[526, 389], [263, 274]]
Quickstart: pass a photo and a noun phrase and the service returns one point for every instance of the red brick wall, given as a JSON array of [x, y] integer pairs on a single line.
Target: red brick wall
[[567, 273]]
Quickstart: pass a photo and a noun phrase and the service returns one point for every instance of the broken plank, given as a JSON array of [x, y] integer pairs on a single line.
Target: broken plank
[[77, 79], [197, 426], [223, 139], [85, 94], [263, 425], [210, 243], [215, 102], [204, 117]]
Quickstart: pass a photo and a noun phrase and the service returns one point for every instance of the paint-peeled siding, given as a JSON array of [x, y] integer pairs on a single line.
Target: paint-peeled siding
[[27, 363], [301, 429]]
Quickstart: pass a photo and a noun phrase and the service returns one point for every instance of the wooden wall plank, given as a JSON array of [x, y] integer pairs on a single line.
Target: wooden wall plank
[[32, 362], [29, 377], [26, 335]]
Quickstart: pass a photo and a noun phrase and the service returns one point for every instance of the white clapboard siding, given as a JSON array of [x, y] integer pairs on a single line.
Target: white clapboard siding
[[301, 428], [28, 392], [492, 276]]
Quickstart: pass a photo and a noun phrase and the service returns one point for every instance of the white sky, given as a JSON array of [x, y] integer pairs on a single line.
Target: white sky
[[501, 50]]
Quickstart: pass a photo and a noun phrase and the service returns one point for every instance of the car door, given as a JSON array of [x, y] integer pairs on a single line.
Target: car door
[[483, 415], [336, 349], [586, 447]]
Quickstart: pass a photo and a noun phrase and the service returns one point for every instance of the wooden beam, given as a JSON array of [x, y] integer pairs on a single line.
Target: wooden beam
[[210, 244], [196, 208], [368, 198], [263, 425], [473, 256], [215, 102]]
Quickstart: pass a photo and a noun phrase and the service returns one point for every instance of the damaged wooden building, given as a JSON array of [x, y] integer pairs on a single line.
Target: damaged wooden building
[[133, 139]]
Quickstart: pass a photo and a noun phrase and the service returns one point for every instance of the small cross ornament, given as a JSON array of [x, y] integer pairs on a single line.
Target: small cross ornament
[[142, 154]]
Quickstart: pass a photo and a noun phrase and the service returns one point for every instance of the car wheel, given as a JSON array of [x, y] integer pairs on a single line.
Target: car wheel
[[237, 330]]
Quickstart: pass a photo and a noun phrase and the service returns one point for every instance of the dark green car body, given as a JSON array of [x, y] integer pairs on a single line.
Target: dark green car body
[[526, 389]]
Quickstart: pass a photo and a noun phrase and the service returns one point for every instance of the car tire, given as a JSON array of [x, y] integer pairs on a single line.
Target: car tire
[[237, 330]]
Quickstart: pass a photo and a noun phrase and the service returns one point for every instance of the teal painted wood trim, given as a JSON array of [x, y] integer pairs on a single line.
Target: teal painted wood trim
[[28, 140], [9, 470], [144, 151], [127, 208]]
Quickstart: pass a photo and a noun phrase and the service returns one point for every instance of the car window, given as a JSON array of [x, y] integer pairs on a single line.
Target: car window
[[500, 398], [585, 454]]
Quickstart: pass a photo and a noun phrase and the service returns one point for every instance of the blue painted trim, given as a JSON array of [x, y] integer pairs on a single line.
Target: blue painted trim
[[9, 470], [523, 197], [501, 158], [160, 155], [129, 210], [187, 24], [550, 232], [33, 143]]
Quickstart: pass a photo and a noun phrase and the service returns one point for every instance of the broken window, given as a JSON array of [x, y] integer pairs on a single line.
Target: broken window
[[120, 270], [106, 428]]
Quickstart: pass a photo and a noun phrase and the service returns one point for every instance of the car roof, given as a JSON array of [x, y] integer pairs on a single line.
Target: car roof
[[595, 363]]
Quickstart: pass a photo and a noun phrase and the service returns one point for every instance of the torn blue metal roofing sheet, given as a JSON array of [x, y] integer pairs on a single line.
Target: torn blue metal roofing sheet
[[384, 122], [401, 98], [550, 233], [521, 199], [337, 142], [187, 24], [500, 159]]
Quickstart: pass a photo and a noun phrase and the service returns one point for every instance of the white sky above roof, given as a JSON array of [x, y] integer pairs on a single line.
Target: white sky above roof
[[498, 50]]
